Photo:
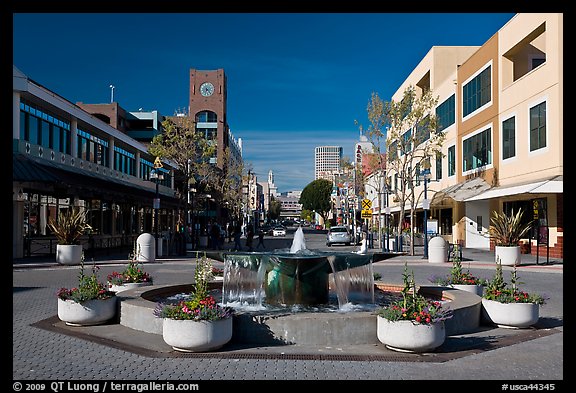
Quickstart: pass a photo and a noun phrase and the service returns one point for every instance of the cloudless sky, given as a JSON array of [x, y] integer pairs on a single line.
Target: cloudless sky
[[295, 80]]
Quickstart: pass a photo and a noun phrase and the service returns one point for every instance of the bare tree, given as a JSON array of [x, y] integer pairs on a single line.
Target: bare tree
[[409, 129]]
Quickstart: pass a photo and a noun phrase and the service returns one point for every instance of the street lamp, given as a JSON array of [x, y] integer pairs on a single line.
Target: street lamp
[[191, 218], [158, 176], [426, 205], [112, 93]]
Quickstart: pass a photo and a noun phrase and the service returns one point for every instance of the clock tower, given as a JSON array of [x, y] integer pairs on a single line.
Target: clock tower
[[208, 106]]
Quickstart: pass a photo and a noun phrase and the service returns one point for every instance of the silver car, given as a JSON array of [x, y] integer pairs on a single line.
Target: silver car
[[338, 235]]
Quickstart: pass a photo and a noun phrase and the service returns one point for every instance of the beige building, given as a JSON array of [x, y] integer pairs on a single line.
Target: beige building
[[500, 106]]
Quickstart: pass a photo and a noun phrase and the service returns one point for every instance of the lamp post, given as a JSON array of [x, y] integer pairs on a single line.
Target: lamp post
[[426, 205], [157, 176], [191, 219]]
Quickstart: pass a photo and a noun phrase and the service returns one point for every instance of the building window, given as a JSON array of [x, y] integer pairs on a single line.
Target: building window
[[206, 117], [91, 148], [477, 151], [477, 92], [124, 161], [451, 161], [538, 126], [41, 128], [446, 113], [509, 138], [438, 165]]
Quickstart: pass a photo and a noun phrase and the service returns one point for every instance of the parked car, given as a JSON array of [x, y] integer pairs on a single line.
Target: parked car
[[279, 231], [338, 235]]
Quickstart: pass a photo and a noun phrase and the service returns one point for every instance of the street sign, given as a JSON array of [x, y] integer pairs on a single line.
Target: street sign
[[158, 163], [366, 213], [366, 204]]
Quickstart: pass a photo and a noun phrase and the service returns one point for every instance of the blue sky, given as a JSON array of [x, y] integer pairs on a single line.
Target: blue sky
[[295, 80]]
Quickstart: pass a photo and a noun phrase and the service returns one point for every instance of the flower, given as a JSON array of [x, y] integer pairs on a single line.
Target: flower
[[132, 273], [201, 305], [498, 290], [457, 275], [89, 288], [414, 306]]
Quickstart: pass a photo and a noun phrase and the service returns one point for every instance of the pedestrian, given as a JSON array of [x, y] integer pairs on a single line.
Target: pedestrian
[[215, 236], [250, 237], [261, 239], [237, 237]]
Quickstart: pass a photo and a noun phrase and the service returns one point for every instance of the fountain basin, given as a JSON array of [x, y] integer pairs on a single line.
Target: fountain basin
[[287, 327]]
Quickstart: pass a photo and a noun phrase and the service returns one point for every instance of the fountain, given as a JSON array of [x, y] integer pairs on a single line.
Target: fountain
[[297, 276], [283, 297]]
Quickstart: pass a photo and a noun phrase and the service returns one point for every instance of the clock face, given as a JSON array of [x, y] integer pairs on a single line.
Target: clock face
[[206, 89]]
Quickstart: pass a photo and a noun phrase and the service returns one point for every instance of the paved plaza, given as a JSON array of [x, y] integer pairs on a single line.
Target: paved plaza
[[45, 349]]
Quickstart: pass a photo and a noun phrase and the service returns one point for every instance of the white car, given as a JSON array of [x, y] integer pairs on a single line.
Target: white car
[[279, 231]]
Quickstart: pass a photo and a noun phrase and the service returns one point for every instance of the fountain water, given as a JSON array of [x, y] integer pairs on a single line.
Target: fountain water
[[298, 277]]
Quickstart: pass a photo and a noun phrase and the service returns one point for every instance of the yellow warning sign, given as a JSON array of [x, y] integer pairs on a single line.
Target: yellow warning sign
[[366, 204], [158, 163], [366, 213]]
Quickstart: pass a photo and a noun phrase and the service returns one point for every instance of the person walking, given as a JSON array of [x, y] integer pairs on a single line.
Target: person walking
[[260, 239], [237, 237], [250, 237]]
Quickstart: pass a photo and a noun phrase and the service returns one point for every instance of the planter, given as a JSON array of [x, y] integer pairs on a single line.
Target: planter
[[408, 336], [128, 285], [510, 315], [69, 254], [475, 289], [508, 255], [91, 312], [196, 336]]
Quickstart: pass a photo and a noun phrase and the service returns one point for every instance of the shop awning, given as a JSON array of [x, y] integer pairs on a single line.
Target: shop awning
[[461, 191], [553, 185], [59, 178]]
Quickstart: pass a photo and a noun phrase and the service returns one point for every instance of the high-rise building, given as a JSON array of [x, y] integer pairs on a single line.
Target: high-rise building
[[327, 162]]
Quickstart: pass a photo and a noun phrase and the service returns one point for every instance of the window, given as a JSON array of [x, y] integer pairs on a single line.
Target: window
[[538, 126], [477, 151], [406, 144], [477, 92], [206, 117], [509, 138], [451, 160], [438, 165], [446, 113]]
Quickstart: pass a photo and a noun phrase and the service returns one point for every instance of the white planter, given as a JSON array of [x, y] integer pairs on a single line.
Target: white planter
[[510, 315], [69, 254], [127, 286], [196, 336], [408, 336], [91, 312], [475, 289], [508, 255]]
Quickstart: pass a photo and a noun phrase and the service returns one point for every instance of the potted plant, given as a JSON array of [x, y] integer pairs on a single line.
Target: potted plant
[[90, 303], [507, 232], [199, 323], [132, 277], [460, 279], [506, 305], [68, 227], [413, 323]]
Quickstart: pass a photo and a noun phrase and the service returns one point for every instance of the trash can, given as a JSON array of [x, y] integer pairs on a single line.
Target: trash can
[[147, 247], [437, 250]]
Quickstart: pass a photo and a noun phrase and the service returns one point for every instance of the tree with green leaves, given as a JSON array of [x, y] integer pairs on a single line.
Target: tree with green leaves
[[274, 208], [316, 196], [409, 129], [181, 144]]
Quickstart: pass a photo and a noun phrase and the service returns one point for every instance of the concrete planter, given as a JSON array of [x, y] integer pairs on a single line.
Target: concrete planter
[[91, 312], [508, 255], [510, 315], [475, 289], [127, 286], [408, 336], [69, 254], [196, 336]]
